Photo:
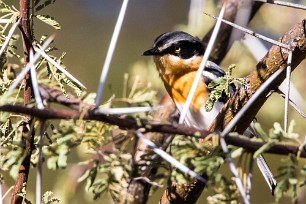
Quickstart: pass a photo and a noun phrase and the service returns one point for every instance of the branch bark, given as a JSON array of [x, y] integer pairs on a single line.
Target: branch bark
[[28, 136], [274, 60], [147, 127]]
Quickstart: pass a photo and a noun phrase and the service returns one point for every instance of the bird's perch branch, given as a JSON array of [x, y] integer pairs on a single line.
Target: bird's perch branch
[[274, 60], [146, 127]]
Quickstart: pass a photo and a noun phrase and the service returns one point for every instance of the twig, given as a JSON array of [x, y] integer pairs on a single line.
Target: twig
[[110, 51], [258, 50], [123, 123], [6, 193], [39, 164], [249, 177], [169, 158], [198, 76], [288, 76], [146, 179], [9, 36], [234, 170], [296, 108], [266, 173], [128, 110], [37, 96], [27, 68], [250, 103], [242, 18], [282, 3], [250, 32], [52, 61], [24, 167]]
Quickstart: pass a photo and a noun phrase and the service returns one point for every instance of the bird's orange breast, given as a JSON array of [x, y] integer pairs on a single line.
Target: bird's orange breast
[[178, 75], [179, 87]]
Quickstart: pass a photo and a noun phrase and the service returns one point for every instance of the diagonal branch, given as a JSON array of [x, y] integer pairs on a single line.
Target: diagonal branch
[[274, 60]]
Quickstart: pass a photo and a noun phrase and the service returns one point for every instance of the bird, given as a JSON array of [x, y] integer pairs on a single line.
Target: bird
[[177, 56]]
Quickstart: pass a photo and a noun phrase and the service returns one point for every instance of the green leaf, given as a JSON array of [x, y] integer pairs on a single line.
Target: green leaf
[[260, 132], [43, 5], [264, 148], [291, 134], [219, 86], [236, 153], [302, 183], [293, 181], [52, 163], [278, 130], [49, 20], [4, 8], [48, 198]]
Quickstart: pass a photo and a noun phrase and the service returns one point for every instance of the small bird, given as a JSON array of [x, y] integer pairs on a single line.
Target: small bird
[[177, 56]]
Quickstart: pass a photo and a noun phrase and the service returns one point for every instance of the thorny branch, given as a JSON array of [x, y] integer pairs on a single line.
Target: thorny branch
[[146, 127], [29, 142]]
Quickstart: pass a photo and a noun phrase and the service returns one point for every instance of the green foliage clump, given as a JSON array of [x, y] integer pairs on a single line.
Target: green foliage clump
[[221, 86], [288, 182], [195, 155], [201, 157], [110, 170], [110, 175]]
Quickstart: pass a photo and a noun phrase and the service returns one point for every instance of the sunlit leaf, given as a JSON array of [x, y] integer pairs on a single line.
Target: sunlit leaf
[[49, 20]]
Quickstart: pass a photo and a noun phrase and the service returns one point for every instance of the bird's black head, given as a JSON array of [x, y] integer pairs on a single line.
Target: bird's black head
[[176, 43]]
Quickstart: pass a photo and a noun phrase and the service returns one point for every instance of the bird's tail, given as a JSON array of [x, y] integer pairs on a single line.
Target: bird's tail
[[266, 172]]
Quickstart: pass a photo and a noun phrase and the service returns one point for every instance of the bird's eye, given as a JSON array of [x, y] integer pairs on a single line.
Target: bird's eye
[[177, 49]]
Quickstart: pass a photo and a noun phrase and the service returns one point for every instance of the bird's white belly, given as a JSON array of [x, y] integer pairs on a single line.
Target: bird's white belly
[[202, 119]]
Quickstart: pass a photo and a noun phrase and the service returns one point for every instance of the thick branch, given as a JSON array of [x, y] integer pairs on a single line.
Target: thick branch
[[274, 60], [144, 157], [123, 123], [146, 127]]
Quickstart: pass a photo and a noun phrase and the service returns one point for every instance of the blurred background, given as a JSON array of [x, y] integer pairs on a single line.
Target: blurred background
[[87, 26]]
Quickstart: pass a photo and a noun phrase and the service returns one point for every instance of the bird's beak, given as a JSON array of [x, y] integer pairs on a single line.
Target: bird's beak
[[152, 51]]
